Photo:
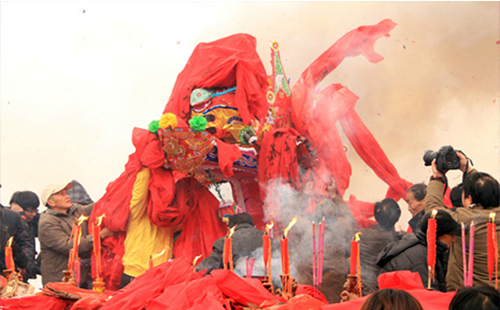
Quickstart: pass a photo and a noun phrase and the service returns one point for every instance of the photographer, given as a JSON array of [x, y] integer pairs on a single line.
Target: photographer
[[480, 198]]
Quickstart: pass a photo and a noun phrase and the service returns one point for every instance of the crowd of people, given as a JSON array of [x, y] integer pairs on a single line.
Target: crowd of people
[[382, 248]]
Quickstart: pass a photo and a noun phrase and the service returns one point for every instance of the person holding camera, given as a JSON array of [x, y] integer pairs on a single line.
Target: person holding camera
[[480, 198]]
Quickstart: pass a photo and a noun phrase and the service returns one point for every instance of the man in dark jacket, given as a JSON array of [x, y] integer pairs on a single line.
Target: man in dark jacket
[[26, 204], [13, 222], [18, 253], [373, 240], [410, 253], [245, 240], [415, 197]]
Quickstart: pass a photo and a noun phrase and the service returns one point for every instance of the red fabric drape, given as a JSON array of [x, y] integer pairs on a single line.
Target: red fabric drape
[[115, 203], [223, 63], [201, 226], [405, 280], [359, 41], [335, 100], [161, 211], [370, 151], [33, 303], [174, 285], [227, 154], [277, 166]]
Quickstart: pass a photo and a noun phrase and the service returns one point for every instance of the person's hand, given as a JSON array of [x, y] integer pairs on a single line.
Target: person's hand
[[463, 162], [435, 172], [105, 232]]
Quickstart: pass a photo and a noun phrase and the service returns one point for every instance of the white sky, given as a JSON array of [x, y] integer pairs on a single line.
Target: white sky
[[76, 77]]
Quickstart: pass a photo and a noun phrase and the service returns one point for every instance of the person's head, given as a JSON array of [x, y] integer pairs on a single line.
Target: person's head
[[391, 299], [481, 188], [415, 198], [240, 218], [479, 297], [56, 198], [446, 227], [387, 213], [456, 196], [27, 201]]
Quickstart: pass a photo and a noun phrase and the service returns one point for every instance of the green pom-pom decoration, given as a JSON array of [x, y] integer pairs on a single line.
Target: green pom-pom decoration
[[154, 126], [198, 123]]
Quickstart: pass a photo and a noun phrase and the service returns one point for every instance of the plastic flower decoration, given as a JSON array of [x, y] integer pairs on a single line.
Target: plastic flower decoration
[[198, 123], [168, 120], [154, 126]]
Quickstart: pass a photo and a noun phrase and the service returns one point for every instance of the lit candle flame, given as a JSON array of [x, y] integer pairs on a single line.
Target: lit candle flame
[[294, 220], [269, 226], [196, 259], [434, 213], [492, 217], [356, 236], [9, 242], [158, 255], [98, 220], [231, 231], [81, 219]]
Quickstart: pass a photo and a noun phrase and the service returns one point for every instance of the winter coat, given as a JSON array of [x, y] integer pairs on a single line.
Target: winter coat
[[410, 253], [32, 268], [480, 215], [339, 230], [415, 221], [54, 236], [371, 243], [19, 254]]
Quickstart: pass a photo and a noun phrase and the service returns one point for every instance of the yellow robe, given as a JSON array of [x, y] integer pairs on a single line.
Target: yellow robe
[[144, 240]]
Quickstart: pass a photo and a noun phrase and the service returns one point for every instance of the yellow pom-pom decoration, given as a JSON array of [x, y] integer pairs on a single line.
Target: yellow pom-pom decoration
[[168, 120]]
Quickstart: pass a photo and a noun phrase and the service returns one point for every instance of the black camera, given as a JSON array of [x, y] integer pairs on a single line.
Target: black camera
[[446, 158]]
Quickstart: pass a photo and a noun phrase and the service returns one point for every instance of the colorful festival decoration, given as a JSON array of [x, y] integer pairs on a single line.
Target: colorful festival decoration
[[227, 120]]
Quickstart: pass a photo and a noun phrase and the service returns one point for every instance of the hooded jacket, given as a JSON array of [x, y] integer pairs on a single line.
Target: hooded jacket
[[410, 253], [245, 240]]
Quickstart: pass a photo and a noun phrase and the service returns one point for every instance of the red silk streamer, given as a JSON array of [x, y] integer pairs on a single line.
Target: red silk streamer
[[431, 248], [285, 259], [354, 256], [266, 246]]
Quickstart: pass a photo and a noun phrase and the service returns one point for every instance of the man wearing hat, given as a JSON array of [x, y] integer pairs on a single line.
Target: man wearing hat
[[55, 228], [410, 253]]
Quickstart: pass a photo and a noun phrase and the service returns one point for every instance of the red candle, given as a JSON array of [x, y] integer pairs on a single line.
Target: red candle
[[285, 256], [97, 244], [70, 260], [227, 254], [9, 259], [266, 248], [285, 259], [491, 240], [266, 245], [431, 245], [354, 255]]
